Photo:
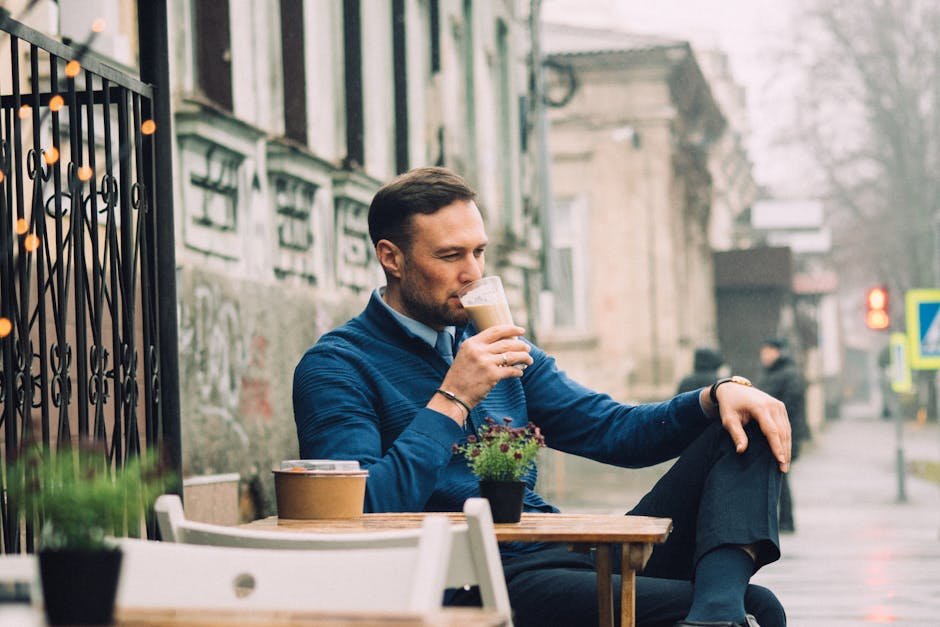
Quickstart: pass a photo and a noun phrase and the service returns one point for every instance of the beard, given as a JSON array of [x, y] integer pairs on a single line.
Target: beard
[[430, 313]]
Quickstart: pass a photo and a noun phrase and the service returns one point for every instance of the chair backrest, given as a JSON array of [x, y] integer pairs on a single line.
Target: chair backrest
[[19, 573], [395, 571], [479, 540], [473, 560]]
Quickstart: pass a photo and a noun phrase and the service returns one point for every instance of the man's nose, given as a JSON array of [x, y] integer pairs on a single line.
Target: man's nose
[[472, 270]]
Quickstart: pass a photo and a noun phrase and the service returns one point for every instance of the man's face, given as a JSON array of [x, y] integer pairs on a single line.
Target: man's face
[[446, 253], [768, 355]]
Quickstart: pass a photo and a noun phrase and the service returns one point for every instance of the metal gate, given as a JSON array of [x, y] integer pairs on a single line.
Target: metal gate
[[80, 283]]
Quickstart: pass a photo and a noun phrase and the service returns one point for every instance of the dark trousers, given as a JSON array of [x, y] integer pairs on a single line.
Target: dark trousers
[[786, 506], [714, 496]]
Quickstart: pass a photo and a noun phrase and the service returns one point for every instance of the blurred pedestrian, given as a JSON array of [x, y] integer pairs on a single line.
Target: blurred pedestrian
[[705, 365], [783, 380]]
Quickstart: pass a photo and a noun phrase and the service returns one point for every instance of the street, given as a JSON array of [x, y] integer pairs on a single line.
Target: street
[[858, 556]]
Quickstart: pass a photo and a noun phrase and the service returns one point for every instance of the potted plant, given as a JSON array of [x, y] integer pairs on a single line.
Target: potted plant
[[500, 455], [80, 502]]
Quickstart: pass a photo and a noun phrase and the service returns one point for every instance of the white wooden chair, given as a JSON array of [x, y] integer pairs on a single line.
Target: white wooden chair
[[394, 571], [19, 572], [473, 560]]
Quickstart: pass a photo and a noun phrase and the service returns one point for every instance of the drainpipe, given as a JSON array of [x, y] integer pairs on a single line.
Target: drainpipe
[[543, 161]]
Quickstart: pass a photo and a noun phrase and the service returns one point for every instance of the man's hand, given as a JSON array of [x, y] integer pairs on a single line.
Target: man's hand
[[482, 361], [738, 404]]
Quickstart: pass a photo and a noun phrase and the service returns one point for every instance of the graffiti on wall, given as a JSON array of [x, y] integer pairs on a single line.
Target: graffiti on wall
[[214, 354]]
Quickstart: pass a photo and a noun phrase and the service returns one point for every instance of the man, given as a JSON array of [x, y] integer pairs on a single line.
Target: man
[[705, 365], [782, 380], [397, 386]]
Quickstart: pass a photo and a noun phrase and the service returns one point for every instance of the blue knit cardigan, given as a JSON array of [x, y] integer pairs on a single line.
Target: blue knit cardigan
[[360, 393]]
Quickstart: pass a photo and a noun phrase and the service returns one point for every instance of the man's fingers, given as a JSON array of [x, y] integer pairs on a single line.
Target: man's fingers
[[776, 427], [514, 358], [499, 332], [736, 431]]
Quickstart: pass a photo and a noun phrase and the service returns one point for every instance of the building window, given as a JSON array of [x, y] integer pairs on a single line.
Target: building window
[[213, 51], [352, 46], [434, 22], [568, 262], [506, 112], [295, 73], [470, 89], [400, 78]]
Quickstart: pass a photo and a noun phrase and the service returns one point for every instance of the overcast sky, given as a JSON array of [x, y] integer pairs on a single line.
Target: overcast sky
[[751, 32]]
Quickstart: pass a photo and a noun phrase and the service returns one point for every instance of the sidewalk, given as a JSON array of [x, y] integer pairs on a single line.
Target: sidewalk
[[858, 557]]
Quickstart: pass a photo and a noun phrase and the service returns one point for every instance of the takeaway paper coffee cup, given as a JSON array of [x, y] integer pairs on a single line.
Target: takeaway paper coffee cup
[[319, 488]]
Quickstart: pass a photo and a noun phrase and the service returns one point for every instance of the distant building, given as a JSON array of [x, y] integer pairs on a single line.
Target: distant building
[[635, 138], [815, 324]]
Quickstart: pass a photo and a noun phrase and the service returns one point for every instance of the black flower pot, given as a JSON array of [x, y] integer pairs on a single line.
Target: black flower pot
[[79, 586], [505, 499]]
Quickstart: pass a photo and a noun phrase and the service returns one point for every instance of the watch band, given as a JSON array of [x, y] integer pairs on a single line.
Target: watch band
[[713, 390]]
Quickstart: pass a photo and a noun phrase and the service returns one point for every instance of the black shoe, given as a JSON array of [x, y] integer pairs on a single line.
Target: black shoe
[[749, 621]]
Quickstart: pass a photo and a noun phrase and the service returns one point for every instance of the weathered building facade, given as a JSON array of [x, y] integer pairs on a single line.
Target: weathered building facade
[[287, 121], [286, 117], [632, 137]]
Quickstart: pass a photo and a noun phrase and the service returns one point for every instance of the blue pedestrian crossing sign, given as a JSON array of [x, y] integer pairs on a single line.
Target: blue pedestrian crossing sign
[[923, 328]]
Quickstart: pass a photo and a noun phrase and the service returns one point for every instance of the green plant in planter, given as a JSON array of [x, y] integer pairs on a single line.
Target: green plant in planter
[[79, 502], [79, 499], [500, 452]]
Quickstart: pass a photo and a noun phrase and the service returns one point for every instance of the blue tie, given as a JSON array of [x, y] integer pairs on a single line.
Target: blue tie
[[445, 346]]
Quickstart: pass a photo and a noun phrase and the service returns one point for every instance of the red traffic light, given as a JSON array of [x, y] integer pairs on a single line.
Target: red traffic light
[[876, 308]]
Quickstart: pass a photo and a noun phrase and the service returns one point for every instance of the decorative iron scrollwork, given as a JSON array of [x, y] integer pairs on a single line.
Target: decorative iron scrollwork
[[129, 385], [108, 192], [61, 360], [98, 382]]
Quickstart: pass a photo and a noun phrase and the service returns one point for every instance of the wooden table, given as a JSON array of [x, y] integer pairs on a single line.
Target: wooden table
[[25, 615], [635, 534]]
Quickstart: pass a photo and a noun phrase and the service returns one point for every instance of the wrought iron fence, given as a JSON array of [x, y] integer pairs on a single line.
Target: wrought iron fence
[[80, 341]]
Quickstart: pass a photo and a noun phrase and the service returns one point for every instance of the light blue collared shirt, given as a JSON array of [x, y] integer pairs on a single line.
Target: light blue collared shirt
[[420, 329]]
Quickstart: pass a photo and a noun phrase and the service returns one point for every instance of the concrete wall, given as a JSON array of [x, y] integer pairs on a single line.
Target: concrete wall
[[239, 343]]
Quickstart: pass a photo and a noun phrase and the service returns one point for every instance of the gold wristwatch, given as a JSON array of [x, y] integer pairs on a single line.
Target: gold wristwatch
[[713, 390]]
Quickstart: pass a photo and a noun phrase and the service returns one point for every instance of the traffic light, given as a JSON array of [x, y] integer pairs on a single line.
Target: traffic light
[[876, 308]]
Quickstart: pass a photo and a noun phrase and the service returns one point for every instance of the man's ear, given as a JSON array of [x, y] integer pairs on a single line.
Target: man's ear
[[390, 256]]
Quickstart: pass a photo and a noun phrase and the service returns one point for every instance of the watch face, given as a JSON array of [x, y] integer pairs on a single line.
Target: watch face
[[742, 380]]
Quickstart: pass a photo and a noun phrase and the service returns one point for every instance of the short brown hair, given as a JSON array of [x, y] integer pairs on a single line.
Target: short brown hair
[[422, 190]]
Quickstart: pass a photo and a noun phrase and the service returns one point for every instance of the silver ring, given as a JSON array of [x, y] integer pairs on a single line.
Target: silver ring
[[505, 360]]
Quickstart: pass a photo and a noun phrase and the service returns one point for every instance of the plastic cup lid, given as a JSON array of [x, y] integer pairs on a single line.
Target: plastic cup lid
[[320, 465]]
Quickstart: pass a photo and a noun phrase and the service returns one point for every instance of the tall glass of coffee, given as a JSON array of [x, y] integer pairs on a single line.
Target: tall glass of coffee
[[486, 304]]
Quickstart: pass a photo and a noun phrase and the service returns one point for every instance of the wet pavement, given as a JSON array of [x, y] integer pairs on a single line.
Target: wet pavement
[[858, 556]]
